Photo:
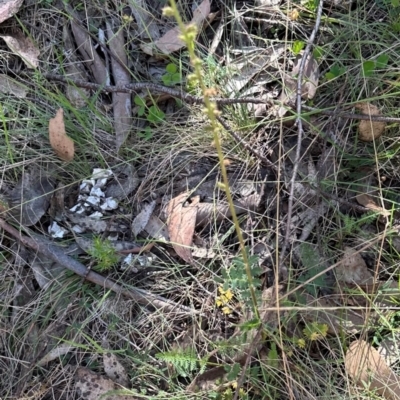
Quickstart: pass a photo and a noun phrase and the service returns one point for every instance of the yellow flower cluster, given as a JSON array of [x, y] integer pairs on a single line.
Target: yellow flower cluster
[[225, 296]]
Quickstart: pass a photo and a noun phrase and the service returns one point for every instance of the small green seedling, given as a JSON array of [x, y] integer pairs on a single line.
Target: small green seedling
[[335, 72], [104, 253], [141, 105], [153, 115], [172, 76], [297, 47], [369, 67]]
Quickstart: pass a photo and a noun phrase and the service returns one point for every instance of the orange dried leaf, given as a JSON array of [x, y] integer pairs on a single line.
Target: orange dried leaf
[[60, 142], [365, 366], [181, 223], [369, 130]]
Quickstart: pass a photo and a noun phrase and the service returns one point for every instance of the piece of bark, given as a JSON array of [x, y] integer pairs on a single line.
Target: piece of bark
[[92, 60], [122, 102]]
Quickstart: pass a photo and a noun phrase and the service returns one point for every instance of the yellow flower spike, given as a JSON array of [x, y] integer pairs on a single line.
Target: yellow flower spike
[[218, 302]]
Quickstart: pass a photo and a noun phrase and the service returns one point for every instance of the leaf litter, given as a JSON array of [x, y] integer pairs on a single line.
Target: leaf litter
[[176, 212]]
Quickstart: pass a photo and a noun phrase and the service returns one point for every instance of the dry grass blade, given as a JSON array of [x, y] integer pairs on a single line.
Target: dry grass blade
[[365, 365]]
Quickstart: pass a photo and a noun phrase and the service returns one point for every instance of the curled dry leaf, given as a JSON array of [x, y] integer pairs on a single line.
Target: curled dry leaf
[[91, 58], [181, 223], [353, 269], [8, 8], [60, 142], [146, 21], [24, 47], [171, 41], [369, 130], [365, 366]]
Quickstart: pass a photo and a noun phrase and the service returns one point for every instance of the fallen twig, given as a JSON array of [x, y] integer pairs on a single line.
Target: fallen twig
[[190, 99], [57, 255]]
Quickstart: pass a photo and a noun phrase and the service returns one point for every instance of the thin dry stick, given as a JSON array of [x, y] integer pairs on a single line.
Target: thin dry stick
[[190, 99], [306, 53], [299, 122], [57, 255], [147, 86], [347, 115]]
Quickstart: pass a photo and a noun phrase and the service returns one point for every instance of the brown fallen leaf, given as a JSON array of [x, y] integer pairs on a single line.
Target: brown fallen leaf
[[60, 142], [369, 130], [92, 386], [8, 8], [368, 202], [353, 269], [181, 222], [23, 46], [171, 41], [365, 366]]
